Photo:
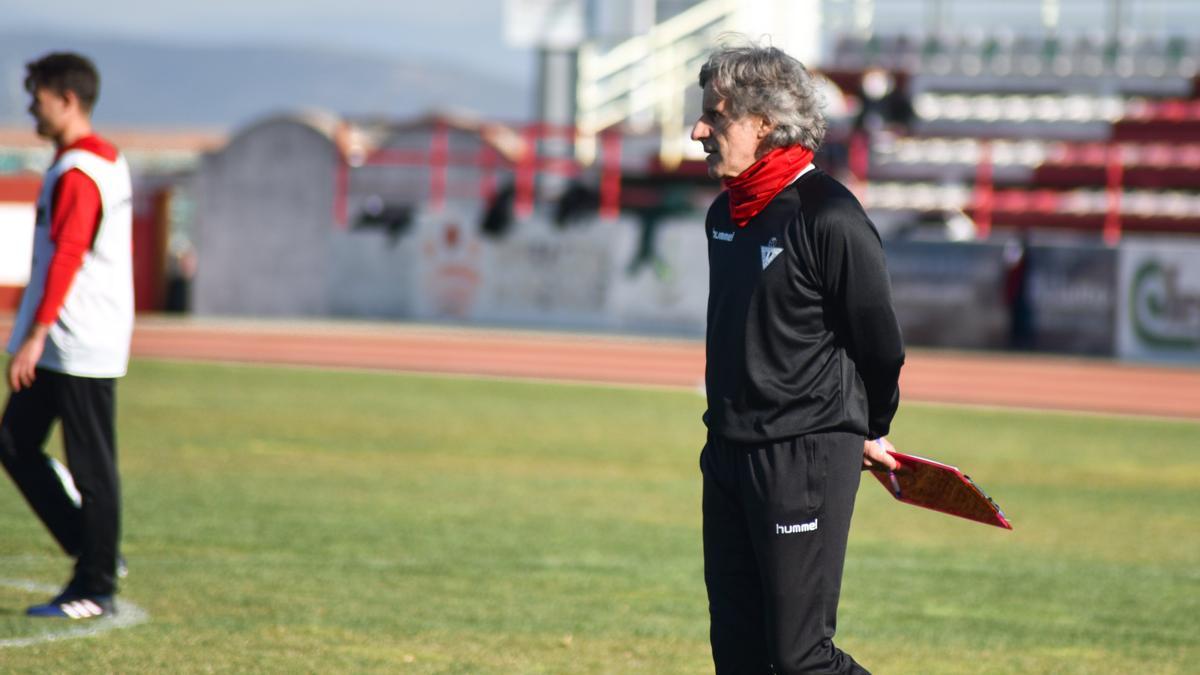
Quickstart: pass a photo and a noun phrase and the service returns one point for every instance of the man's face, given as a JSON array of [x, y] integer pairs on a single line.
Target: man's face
[[732, 144], [52, 111]]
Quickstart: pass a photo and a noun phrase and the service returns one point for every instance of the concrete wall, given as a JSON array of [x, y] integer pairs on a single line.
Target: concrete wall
[[264, 222], [668, 293], [537, 274]]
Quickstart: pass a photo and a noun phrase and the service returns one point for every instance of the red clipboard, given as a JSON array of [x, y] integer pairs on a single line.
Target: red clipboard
[[941, 487]]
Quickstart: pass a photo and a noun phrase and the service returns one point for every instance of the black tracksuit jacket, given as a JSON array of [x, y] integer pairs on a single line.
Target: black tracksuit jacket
[[802, 336]]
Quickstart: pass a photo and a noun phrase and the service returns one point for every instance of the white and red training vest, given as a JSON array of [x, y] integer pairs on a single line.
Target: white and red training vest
[[91, 335]]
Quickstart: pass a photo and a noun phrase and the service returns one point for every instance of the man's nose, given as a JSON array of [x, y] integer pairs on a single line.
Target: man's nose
[[700, 131]]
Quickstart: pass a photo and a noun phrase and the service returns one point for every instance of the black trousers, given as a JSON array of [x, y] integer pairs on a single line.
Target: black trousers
[[86, 406], [776, 520]]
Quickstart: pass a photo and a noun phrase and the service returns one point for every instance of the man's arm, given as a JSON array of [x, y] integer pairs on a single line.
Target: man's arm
[[855, 276], [75, 215]]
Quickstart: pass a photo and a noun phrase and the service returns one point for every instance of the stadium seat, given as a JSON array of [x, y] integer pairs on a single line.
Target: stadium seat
[[1049, 109]]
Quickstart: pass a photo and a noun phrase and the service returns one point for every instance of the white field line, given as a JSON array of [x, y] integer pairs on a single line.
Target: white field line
[[128, 615]]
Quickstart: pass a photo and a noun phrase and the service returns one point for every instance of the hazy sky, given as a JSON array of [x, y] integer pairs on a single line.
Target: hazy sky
[[464, 32]]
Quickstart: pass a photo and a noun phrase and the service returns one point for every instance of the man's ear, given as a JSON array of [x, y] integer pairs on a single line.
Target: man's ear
[[764, 128], [72, 100]]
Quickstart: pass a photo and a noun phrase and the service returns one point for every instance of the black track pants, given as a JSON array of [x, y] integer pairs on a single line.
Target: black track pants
[[776, 520], [85, 406]]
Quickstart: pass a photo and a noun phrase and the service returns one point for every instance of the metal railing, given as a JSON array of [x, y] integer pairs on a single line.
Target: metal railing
[[487, 166], [648, 73]]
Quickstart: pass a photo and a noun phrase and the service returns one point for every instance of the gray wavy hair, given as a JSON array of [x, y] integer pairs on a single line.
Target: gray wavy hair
[[765, 81]]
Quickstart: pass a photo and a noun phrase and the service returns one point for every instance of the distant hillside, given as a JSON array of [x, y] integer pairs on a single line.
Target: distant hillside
[[155, 84]]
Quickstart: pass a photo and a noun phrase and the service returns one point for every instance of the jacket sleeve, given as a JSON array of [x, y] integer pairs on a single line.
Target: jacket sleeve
[[74, 217], [855, 279]]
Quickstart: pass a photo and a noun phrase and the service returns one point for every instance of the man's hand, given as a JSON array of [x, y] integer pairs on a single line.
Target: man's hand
[[875, 455], [21, 369]]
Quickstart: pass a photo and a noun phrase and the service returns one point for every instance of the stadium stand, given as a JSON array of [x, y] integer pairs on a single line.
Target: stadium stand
[[1088, 134]]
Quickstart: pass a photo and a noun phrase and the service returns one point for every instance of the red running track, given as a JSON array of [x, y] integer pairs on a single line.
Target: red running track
[[943, 377]]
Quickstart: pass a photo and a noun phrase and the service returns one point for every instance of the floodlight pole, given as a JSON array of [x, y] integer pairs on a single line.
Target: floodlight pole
[[557, 77], [864, 13], [1051, 15], [1116, 14], [937, 17]]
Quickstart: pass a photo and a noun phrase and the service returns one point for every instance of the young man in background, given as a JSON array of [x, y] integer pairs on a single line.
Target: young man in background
[[71, 337]]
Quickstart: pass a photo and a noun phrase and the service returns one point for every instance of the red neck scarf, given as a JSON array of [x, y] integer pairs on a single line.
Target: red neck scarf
[[751, 190]]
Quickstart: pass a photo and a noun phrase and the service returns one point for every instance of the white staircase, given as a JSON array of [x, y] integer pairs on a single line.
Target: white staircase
[[648, 76]]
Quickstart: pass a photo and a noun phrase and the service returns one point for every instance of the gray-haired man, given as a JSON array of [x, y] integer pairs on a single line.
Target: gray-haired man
[[803, 357]]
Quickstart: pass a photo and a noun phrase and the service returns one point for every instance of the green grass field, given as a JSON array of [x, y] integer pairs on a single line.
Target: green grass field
[[289, 520]]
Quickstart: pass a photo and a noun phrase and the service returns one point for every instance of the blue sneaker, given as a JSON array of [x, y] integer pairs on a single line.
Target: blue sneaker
[[70, 606]]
